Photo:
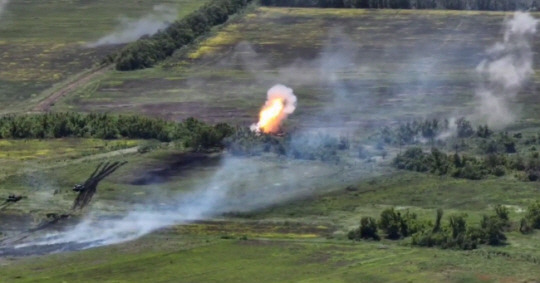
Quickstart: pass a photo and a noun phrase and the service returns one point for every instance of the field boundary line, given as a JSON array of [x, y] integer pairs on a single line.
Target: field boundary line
[[52, 95]]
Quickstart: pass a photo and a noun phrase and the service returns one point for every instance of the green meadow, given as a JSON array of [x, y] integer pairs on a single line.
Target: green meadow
[[224, 77], [406, 64], [43, 43]]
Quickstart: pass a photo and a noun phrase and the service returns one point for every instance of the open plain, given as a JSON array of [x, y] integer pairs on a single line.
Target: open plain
[[213, 216]]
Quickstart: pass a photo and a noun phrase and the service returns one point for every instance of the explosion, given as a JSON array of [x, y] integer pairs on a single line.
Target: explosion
[[280, 102]]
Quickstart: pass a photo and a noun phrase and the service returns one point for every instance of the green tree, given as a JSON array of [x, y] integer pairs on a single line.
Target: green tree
[[368, 228]]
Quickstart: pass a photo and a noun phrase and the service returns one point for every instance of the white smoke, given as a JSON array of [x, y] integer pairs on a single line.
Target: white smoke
[[238, 185], [3, 5], [130, 30], [286, 95], [93, 232], [505, 71]]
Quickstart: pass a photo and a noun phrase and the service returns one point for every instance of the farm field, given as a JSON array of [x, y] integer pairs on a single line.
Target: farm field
[[179, 214], [304, 241], [45, 43], [343, 65]]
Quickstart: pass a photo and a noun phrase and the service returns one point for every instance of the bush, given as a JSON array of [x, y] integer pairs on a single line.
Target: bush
[[502, 213], [499, 171], [533, 215], [455, 235], [390, 223], [367, 230], [525, 227], [458, 235], [412, 159], [483, 132], [493, 230], [396, 226], [464, 128]]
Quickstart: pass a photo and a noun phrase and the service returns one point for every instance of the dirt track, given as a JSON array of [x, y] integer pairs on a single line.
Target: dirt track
[[46, 104]]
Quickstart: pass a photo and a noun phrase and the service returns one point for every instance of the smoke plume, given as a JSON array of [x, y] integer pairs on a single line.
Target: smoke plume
[[3, 4], [130, 30], [238, 184], [506, 69], [280, 103]]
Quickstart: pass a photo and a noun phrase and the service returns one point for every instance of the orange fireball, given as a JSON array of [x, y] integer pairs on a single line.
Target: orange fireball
[[280, 103], [271, 116]]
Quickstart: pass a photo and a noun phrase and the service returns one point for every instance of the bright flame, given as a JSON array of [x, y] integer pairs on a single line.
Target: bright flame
[[280, 102], [271, 115]]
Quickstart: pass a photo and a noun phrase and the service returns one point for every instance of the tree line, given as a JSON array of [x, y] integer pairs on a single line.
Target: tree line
[[312, 146], [148, 51], [431, 130], [191, 132], [477, 154], [486, 5], [456, 233], [467, 166]]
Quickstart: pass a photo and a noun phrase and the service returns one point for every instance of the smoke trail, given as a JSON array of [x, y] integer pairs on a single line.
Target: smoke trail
[[504, 72], [3, 4], [130, 29], [238, 185]]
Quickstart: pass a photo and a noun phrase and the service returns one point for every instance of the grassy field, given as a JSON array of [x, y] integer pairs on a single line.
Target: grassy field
[[43, 43], [348, 67], [303, 241], [278, 220], [298, 239], [273, 261]]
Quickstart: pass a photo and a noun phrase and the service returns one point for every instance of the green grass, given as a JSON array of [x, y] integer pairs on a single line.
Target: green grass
[[405, 64], [42, 42], [298, 241], [301, 239], [45, 170], [189, 259]]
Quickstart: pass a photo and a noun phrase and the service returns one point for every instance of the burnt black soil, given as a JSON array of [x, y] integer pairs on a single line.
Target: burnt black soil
[[173, 166]]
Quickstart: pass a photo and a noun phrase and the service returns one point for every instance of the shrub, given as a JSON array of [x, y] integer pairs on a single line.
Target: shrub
[[493, 230], [533, 215], [390, 223], [499, 171], [525, 227], [395, 225], [502, 213], [483, 132], [464, 128], [458, 235], [368, 228], [412, 159]]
